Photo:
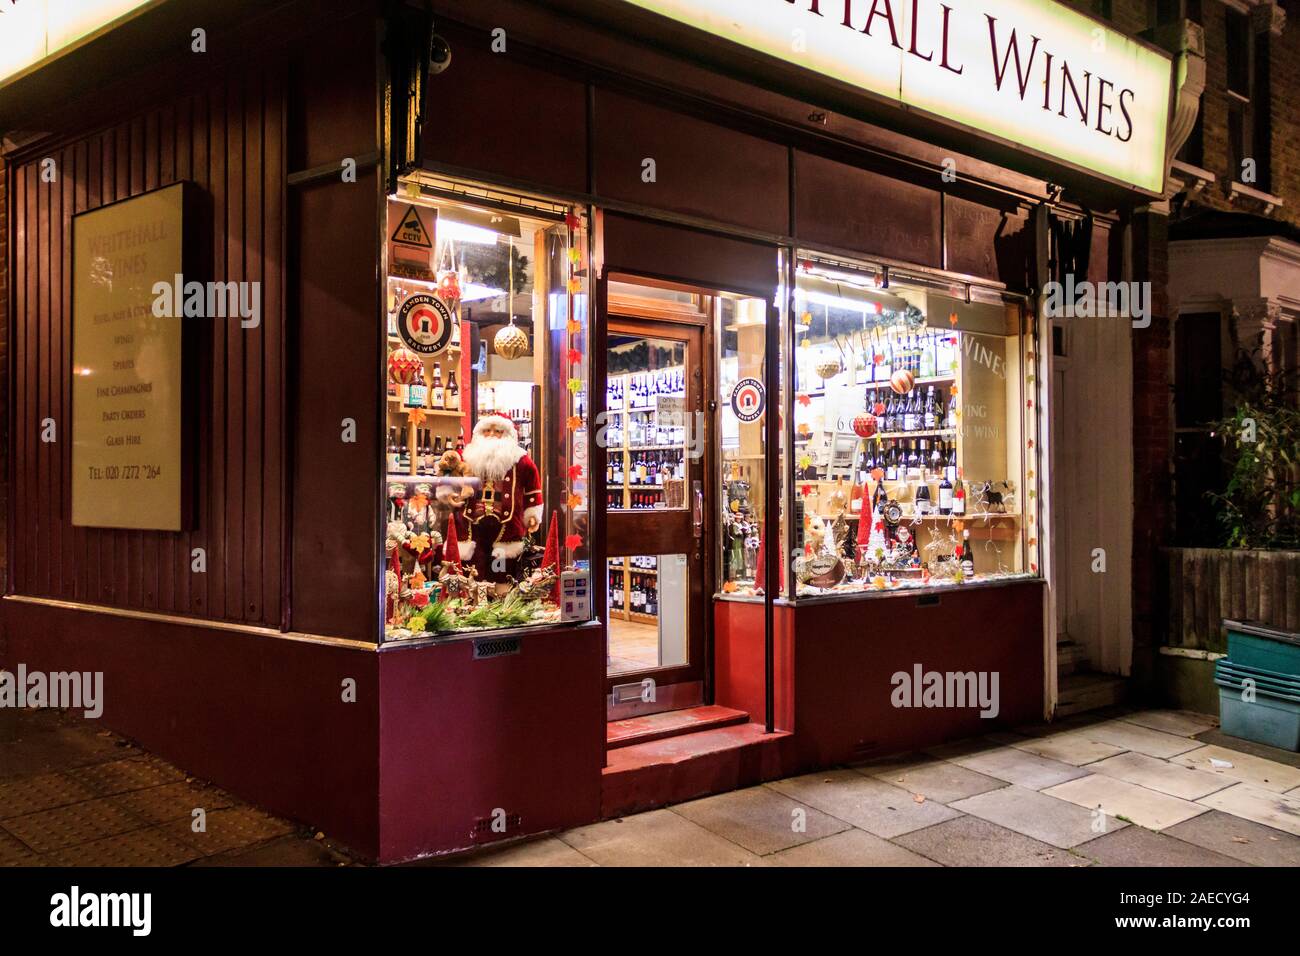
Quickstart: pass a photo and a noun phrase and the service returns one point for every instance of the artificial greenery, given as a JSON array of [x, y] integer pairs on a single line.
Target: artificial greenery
[[1259, 507], [510, 611]]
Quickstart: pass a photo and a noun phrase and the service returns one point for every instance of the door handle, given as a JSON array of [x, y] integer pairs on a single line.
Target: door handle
[[698, 518]]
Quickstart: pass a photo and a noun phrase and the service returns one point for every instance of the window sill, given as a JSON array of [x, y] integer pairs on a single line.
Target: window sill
[[1267, 202]]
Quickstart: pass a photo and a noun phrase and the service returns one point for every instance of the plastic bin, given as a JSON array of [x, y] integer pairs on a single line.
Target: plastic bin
[[1272, 719], [1281, 683], [1256, 645]]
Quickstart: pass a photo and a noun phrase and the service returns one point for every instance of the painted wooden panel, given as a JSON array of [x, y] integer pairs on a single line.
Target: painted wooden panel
[[228, 138]]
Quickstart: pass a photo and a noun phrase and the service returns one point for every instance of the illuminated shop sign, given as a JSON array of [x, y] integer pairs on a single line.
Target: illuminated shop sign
[[1031, 72], [31, 30]]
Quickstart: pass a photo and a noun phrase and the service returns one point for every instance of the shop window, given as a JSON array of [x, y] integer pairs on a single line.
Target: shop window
[[746, 398], [485, 495], [915, 430]]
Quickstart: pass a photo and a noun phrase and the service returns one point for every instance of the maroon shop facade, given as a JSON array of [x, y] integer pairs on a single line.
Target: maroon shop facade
[[235, 674]]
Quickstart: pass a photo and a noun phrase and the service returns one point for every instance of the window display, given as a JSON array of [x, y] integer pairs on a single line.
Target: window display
[[487, 297], [745, 399], [914, 429]]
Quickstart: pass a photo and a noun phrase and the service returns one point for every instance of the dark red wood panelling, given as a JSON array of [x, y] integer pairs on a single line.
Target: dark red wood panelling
[[991, 241], [490, 112], [846, 207], [688, 255], [227, 138], [701, 169]]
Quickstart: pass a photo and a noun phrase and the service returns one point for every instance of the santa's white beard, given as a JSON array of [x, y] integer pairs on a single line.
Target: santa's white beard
[[492, 458]]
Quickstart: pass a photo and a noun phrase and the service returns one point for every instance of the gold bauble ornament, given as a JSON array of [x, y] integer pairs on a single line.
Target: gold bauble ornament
[[511, 342], [828, 369]]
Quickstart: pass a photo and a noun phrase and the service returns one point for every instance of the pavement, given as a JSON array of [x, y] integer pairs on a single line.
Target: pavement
[[1113, 788]]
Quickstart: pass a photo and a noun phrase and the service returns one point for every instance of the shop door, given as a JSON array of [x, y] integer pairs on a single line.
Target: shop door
[[656, 534]]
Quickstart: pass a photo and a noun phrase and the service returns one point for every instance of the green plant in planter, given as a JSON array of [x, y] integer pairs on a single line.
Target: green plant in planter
[[1259, 507]]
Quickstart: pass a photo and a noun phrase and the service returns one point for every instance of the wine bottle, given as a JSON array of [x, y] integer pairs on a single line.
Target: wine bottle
[[945, 496], [967, 555], [958, 498]]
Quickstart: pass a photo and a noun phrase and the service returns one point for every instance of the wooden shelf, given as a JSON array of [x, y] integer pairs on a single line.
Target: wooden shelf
[[928, 380], [928, 433]]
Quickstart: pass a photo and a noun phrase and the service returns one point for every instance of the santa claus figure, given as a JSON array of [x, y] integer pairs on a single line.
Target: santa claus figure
[[509, 506]]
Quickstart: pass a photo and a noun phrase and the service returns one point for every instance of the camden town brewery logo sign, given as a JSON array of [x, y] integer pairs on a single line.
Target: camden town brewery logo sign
[[424, 323]]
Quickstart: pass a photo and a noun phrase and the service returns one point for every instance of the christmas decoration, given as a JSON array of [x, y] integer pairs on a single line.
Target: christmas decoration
[[404, 366], [864, 425], [902, 381], [449, 288], [510, 342]]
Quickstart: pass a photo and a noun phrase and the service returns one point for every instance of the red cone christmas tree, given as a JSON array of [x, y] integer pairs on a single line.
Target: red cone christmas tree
[[551, 557]]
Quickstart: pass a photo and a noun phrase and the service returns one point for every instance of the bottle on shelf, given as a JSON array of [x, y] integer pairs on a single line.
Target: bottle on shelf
[[967, 555], [945, 496], [394, 452], [404, 452], [958, 498], [930, 416], [453, 391], [437, 394]]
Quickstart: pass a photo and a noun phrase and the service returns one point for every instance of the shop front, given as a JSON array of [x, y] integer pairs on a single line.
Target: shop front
[[619, 425]]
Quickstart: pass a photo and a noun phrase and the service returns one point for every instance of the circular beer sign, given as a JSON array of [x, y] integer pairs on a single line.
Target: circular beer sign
[[748, 399], [424, 323]]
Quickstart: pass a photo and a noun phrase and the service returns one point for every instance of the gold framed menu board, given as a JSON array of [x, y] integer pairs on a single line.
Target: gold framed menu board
[[128, 382]]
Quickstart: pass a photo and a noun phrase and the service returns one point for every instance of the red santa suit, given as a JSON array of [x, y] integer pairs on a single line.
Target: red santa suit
[[498, 515]]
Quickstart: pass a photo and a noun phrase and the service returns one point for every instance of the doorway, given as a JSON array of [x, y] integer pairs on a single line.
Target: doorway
[[657, 536]]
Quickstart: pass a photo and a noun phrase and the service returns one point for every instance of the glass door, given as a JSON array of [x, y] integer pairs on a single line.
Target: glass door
[[655, 528]]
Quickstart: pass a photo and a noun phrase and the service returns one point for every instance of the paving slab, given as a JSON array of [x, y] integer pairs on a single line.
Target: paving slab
[[61, 749], [1050, 820], [973, 745], [1157, 774], [865, 802], [1184, 723], [174, 801], [77, 823], [42, 792], [123, 776], [1119, 798], [541, 852], [1240, 839], [1218, 738], [850, 848], [14, 852], [1072, 747], [1016, 766], [970, 841], [146, 847], [761, 820], [1130, 736], [296, 851], [230, 829], [1244, 767], [937, 780], [657, 838], [1268, 807], [1135, 846]]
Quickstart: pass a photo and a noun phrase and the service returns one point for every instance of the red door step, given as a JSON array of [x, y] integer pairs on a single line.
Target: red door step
[[672, 723], [674, 769]]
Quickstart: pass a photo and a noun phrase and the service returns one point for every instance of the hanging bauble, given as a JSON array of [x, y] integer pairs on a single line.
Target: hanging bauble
[[404, 366], [864, 425], [902, 381], [449, 288], [828, 368], [511, 342]]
